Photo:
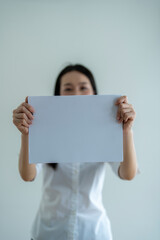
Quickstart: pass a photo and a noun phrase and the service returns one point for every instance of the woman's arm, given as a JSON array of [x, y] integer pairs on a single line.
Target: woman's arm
[[128, 167], [26, 170], [126, 116], [22, 119]]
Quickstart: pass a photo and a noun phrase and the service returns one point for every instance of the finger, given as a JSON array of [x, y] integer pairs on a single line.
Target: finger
[[121, 112], [23, 109], [29, 107], [122, 99], [125, 105], [120, 120], [125, 110], [118, 114], [23, 116], [21, 122], [23, 129], [26, 99], [128, 116]]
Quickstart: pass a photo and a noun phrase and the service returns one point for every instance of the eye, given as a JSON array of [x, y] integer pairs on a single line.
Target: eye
[[67, 89], [84, 88]]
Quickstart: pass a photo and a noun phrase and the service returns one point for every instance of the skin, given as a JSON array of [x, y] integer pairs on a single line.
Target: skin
[[76, 83]]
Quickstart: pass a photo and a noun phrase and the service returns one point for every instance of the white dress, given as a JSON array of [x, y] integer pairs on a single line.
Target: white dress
[[71, 206]]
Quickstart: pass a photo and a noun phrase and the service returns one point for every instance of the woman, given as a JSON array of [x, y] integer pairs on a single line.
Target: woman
[[71, 206]]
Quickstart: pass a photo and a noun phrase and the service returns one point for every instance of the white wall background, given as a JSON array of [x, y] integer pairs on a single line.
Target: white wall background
[[119, 42]]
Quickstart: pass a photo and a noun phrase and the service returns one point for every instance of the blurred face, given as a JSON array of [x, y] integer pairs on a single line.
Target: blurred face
[[75, 83]]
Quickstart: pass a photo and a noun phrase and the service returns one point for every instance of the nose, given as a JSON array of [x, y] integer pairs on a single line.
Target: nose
[[76, 92]]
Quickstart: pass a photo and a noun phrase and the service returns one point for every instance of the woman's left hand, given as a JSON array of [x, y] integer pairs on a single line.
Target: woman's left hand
[[125, 113]]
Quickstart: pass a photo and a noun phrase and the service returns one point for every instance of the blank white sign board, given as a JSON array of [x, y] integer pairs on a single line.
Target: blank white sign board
[[75, 128]]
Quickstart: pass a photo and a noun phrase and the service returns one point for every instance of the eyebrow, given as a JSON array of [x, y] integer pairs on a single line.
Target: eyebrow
[[68, 84]]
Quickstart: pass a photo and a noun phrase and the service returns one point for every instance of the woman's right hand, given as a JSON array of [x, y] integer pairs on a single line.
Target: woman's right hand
[[22, 117]]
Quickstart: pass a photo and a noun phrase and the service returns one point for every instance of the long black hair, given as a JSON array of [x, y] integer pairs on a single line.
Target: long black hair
[[77, 67]]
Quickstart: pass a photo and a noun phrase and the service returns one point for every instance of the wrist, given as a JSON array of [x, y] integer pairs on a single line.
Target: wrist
[[128, 131], [24, 140], [24, 136]]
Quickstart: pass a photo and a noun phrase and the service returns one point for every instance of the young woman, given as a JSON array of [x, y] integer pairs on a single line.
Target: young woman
[[71, 206]]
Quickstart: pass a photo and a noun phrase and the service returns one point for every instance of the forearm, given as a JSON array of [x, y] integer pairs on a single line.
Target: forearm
[[128, 167], [26, 170]]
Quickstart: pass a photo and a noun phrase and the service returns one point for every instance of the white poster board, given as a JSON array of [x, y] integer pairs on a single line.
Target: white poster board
[[75, 128]]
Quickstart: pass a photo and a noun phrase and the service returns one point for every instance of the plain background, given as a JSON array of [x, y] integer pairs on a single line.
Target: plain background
[[119, 42]]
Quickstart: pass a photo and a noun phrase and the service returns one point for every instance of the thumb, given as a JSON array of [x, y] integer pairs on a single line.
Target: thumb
[[26, 99]]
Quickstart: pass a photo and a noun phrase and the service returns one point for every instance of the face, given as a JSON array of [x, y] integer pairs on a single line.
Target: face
[[75, 83]]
